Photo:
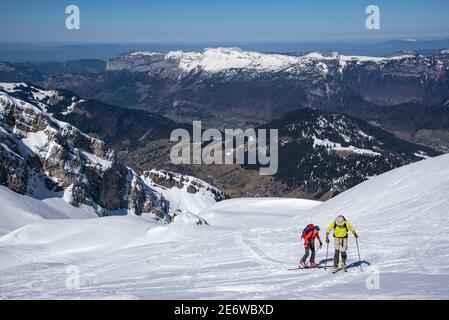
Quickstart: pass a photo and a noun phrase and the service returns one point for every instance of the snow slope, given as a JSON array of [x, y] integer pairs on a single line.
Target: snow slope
[[17, 210], [248, 247], [69, 241]]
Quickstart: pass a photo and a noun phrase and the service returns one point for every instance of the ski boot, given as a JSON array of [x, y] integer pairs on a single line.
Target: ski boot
[[302, 265], [343, 265], [335, 269], [313, 265]]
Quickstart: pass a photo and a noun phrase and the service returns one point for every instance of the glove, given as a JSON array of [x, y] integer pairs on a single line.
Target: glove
[[327, 238], [356, 235], [321, 245]]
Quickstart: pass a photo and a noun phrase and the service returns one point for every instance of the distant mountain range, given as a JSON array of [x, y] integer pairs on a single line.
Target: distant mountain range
[[60, 67], [345, 110], [229, 87]]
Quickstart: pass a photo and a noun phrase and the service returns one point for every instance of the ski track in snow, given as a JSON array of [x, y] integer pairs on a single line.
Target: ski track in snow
[[247, 249]]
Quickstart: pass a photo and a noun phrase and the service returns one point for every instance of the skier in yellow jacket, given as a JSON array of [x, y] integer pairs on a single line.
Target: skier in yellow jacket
[[341, 226]]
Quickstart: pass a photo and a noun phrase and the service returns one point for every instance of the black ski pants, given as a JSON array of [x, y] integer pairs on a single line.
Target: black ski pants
[[309, 249]]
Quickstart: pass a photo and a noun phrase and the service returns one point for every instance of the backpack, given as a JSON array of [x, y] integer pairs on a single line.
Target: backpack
[[306, 230], [344, 226]]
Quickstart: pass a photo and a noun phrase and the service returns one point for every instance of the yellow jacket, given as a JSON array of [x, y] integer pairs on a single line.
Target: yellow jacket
[[340, 231]]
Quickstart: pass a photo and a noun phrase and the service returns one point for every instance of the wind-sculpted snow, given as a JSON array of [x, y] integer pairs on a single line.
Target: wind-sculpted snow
[[246, 248], [17, 210]]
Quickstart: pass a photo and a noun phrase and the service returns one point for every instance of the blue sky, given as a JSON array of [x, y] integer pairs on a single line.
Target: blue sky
[[209, 21]]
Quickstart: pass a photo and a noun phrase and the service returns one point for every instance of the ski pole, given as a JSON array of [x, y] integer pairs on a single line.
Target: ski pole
[[358, 251], [327, 254]]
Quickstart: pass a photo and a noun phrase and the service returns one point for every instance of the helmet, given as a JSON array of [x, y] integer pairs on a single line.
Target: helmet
[[317, 228]]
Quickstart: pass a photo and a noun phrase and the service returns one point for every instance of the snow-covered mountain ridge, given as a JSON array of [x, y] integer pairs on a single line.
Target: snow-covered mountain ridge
[[328, 153], [59, 99], [216, 60], [265, 85]]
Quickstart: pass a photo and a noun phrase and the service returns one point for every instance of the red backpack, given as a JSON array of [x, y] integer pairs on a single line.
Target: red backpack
[[306, 230]]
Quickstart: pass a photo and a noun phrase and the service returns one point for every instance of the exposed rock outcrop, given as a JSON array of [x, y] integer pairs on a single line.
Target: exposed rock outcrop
[[37, 151]]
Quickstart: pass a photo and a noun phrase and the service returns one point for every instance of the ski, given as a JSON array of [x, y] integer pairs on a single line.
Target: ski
[[308, 268], [336, 270], [340, 269]]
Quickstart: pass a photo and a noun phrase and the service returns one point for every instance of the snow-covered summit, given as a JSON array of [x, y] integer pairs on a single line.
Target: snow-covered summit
[[42, 98]]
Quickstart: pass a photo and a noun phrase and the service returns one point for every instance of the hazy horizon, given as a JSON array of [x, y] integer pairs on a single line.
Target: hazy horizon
[[14, 52], [193, 21]]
